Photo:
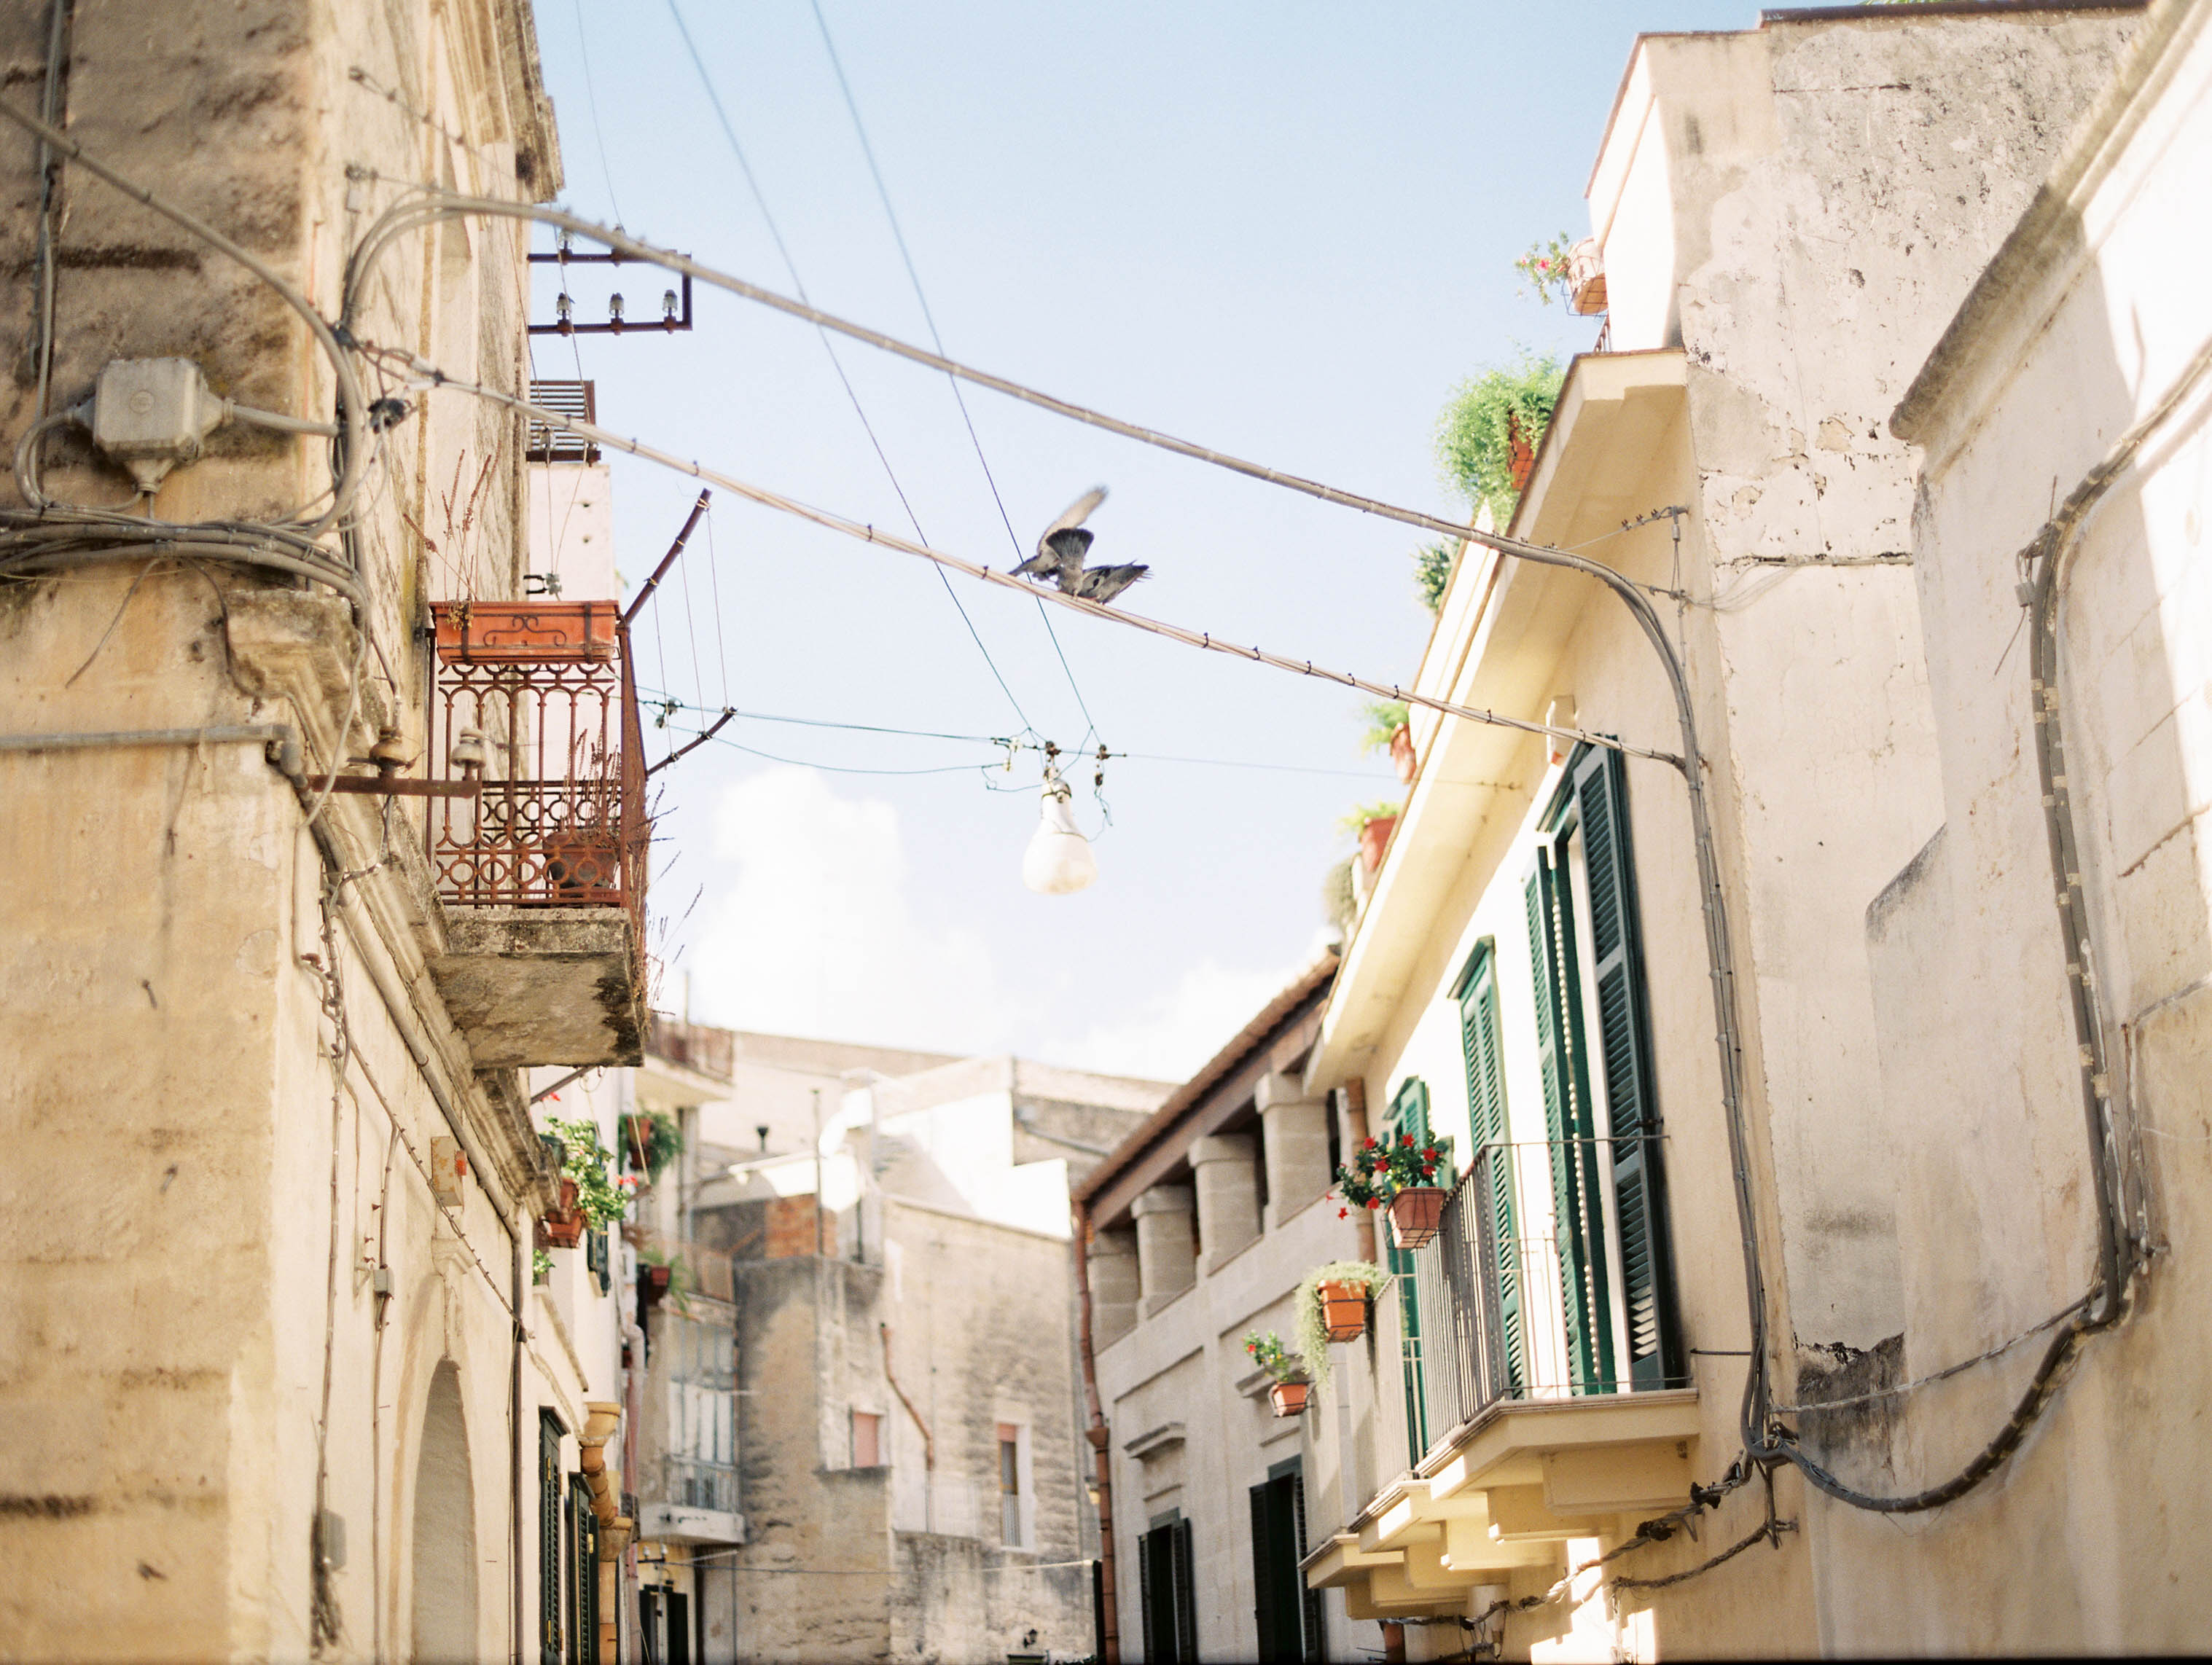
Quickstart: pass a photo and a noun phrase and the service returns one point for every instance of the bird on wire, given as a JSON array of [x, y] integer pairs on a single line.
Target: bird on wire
[[1059, 553]]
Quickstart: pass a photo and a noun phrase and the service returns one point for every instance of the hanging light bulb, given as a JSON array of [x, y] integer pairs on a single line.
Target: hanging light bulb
[[1058, 862]]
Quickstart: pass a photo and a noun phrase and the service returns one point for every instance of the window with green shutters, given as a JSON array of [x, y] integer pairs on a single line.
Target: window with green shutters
[[549, 1538], [1409, 1114], [1481, 1040], [1592, 1030]]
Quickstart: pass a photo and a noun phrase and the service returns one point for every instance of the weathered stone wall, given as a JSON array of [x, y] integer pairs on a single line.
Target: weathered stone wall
[[193, 1222]]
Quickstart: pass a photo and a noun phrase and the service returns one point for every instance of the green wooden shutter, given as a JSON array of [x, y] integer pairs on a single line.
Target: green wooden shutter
[[1623, 1047], [1409, 1114], [1578, 1220], [549, 1539], [1480, 1039]]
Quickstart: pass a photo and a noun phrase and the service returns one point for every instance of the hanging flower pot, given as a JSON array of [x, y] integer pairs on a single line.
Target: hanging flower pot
[[562, 1227], [1401, 754], [1415, 1214], [1289, 1398], [1343, 1310]]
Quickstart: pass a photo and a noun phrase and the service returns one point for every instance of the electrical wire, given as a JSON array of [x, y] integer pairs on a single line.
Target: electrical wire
[[929, 319], [592, 102], [760, 201], [433, 377]]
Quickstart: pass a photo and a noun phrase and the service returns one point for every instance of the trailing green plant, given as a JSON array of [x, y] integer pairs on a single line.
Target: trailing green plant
[[1474, 434], [1307, 1336], [1382, 1167], [1355, 821], [1432, 569], [1338, 902], [1544, 268], [655, 1135], [1384, 718], [601, 1198], [1270, 1355], [541, 1265]]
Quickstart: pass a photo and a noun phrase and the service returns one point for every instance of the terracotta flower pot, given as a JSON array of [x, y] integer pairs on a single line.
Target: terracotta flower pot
[[1586, 278], [1520, 455], [1289, 1398], [511, 632], [1374, 839], [563, 1228], [1402, 754], [1343, 1310], [1415, 1213]]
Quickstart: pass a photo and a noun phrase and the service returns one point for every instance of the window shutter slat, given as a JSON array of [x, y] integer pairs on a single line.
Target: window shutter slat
[[1637, 1174], [1481, 1040]]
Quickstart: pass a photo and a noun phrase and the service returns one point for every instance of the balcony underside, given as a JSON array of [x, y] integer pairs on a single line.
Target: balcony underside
[[1506, 1494], [544, 985]]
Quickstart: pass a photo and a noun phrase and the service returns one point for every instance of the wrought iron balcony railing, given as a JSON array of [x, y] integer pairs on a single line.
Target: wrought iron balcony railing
[[543, 692]]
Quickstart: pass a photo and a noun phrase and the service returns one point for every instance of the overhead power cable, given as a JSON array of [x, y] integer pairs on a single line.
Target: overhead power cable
[[791, 266], [865, 534], [929, 318]]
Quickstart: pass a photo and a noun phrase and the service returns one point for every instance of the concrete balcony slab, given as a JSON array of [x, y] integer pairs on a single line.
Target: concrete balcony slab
[[544, 985]]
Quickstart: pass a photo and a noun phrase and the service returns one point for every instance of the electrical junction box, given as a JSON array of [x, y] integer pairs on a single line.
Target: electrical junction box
[[449, 1172], [151, 414]]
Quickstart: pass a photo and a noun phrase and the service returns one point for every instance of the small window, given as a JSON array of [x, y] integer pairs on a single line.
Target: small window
[[1010, 1483], [867, 1439]]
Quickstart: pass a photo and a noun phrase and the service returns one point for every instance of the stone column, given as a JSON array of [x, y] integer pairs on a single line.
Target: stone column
[[1167, 1261], [1228, 1194], [1295, 1138], [1112, 1264]]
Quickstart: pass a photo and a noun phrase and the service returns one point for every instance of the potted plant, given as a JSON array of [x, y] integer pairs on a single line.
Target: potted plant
[[1488, 435], [1289, 1392], [651, 1140], [589, 1194], [1400, 1175], [1372, 825], [1331, 1305], [1548, 269], [1386, 731], [562, 1227]]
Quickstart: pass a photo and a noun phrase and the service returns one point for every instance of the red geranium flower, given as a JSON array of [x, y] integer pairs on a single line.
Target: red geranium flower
[[1374, 1202], [1369, 1146], [1344, 1213]]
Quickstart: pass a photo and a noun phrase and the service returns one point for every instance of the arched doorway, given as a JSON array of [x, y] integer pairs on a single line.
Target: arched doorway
[[445, 1536]]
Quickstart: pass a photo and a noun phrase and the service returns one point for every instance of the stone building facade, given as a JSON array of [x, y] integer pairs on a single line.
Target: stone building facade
[[1789, 217], [282, 1381], [913, 1465]]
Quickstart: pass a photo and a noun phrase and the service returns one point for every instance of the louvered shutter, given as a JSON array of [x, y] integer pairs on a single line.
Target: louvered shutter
[[1493, 1157], [1185, 1594], [549, 1539], [1639, 1197], [1263, 1591], [1409, 1114], [1147, 1625], [1578, 1223]]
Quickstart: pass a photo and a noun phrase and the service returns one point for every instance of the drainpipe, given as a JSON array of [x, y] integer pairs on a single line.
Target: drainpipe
[[928, 1445], [514, 1442], [1101, 1438], [633, 1397]]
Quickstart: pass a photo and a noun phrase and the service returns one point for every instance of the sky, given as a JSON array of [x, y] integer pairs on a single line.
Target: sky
[[1286, 231]]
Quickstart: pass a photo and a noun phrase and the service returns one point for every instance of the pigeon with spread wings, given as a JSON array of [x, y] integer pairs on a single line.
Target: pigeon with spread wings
[[1060, 551]]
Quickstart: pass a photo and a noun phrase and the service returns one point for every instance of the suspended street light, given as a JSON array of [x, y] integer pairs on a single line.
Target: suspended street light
[[1059, 861]]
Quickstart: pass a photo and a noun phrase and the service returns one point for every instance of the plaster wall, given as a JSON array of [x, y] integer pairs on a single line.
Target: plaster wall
[[2080, 327], [1831, 190]]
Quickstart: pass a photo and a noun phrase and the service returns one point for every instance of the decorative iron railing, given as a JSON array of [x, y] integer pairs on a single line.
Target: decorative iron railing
[[1468, 1360], [693, 1046], [545, 694]]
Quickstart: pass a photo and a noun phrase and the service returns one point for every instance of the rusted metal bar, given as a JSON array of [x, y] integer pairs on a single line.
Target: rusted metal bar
[[693, 743], [669, 559]]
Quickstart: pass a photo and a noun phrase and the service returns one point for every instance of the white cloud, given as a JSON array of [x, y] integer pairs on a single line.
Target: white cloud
[[1168, 1037], [813, 934]]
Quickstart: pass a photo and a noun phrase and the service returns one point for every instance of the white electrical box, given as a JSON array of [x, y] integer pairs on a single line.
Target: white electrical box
[[151, 414]]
